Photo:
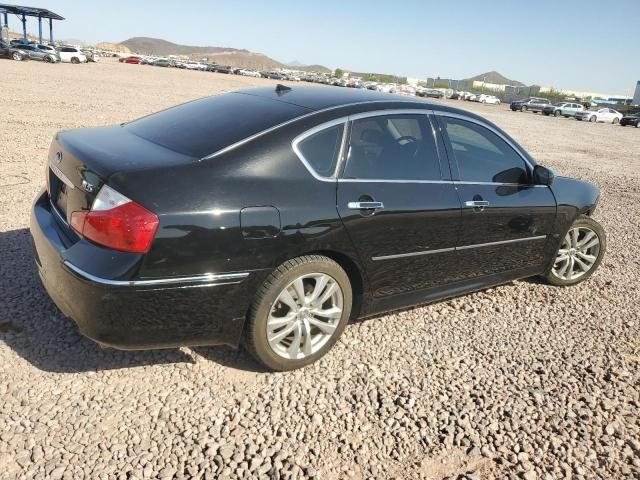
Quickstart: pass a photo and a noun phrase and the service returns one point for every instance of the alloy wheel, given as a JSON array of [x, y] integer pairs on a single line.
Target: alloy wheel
[[577, 254], [304, 316]]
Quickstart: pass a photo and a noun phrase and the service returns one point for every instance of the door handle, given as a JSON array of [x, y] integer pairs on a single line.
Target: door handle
[[365, 205], [476, 204]]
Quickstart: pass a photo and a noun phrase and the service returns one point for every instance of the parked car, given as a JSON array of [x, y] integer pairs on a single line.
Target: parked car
[[533, 104], [35, 53], [195, 227], [274, 75], [161, 62], [604, 115], [91, 55], [632, 120], [12, 51], [133, 60], [565, 109], [71, 55], [491, 99], [430, 92]]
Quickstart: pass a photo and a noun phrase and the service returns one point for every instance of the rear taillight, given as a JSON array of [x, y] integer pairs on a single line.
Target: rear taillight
[[116, 222]]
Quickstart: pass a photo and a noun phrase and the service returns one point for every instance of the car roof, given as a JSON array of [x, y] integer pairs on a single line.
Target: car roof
[[321, 98]]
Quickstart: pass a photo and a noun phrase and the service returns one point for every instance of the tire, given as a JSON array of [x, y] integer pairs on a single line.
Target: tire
[[557, 113], [616, 121], [593, 119], [16, 56], [47, 59], [75, 60], [523, 108], [584, 226], [268, 307]]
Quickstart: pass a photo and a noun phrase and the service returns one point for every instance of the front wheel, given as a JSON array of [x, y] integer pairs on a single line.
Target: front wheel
[[523, 108], [557, 113], [75, 60], [616, 121], [592, 119], [299, 313], [580, 253], [16, 56]]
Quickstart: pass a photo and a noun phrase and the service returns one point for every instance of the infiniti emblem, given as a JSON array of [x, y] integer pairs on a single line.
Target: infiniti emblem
[[58, 157]]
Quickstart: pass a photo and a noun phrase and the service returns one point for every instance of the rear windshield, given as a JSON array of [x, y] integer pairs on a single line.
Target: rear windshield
[[204, 126]]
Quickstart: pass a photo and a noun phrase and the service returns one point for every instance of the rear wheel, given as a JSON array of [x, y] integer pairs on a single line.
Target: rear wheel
[[47, 59], [616, 121], [523, 108], [299, 313], [557, 113], [16, 56], [580, 253]]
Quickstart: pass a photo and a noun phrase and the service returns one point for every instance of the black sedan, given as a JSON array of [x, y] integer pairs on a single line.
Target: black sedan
[[272, 216], [632, 120]]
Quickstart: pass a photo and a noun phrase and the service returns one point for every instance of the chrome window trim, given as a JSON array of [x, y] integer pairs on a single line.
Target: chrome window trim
[[380, 180], [312, 131], [488, 127], [451, 249], [454, 182], [229, 278], [394, 111], [301, 117]]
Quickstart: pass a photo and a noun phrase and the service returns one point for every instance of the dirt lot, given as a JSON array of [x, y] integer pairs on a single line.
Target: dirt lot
[[521, 381]]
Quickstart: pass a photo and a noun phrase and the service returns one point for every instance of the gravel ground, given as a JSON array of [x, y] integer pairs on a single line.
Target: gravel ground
[[520, 381]]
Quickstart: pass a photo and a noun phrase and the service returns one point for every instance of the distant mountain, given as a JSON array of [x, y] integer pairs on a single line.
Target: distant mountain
[[497, 78], [221, 55], [157, 46], [295, 63]]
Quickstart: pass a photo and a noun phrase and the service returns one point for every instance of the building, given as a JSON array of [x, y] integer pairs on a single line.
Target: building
[[636, 95]]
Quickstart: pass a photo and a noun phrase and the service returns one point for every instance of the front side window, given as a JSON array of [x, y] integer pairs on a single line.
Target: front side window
[[393, 147], [321, 149], [481, 155]]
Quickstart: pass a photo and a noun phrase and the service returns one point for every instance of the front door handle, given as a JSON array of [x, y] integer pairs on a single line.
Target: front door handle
[[480, 204], [365, 205]]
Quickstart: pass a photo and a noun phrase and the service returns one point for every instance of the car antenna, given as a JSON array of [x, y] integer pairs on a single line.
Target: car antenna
[[282, 89]]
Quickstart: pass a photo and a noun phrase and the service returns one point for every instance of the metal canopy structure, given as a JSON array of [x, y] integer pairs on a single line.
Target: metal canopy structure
[[22, 13]]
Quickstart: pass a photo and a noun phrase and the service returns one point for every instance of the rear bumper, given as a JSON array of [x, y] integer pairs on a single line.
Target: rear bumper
[[136, 313]]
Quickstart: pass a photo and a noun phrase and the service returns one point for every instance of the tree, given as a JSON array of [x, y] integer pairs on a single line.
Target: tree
[[339, 73]]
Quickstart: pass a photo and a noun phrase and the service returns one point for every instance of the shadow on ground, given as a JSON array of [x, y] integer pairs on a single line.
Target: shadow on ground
[[32, 326]]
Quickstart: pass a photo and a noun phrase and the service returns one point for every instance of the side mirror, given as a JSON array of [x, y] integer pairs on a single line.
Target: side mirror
[[542, 176]]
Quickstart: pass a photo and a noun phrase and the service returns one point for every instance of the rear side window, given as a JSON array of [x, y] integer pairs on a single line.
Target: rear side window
[[481, 155], [393, 147], [320, 150], [204, 126]]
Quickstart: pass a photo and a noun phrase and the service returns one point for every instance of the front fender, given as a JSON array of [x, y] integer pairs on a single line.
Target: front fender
[[573, 198]]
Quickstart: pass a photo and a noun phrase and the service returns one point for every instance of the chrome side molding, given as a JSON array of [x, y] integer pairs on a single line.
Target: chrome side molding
[[452, 249], [226, 278]]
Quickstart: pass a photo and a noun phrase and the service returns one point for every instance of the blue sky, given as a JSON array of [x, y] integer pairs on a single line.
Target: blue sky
[[576, 44]]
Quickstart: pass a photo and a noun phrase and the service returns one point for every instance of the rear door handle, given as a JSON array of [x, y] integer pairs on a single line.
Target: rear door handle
[[476, 203], [365, 205]]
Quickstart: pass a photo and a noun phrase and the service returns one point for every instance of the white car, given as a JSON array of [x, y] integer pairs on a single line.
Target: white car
[[491, 99], [72, 55], [605, 115]]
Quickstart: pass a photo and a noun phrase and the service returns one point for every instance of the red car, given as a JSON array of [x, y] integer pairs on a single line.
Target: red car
[[135, 60]]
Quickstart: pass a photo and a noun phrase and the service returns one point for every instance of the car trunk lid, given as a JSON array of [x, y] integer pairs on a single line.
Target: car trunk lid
[[81, 161]]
